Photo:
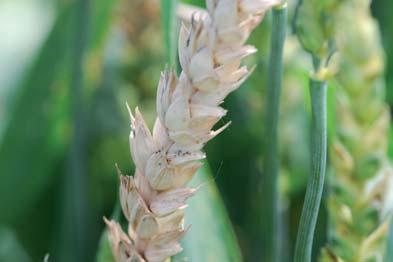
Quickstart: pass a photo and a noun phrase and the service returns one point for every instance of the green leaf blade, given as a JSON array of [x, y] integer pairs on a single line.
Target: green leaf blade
[[210, 236]]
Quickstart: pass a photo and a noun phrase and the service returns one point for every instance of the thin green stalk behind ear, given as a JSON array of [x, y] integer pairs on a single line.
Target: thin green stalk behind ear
[[168, 13], [308, 219], [270, 190], [389, 247], [75, 216]]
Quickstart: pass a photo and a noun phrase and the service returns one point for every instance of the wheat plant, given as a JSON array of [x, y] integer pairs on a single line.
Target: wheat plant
[[270, 220], [315, 26], [360, 200], [188, 107]]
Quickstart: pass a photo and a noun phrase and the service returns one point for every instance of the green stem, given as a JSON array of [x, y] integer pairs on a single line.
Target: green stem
[[168, 13], [389, 247], [75, 213], [270, 190], [308, 219]]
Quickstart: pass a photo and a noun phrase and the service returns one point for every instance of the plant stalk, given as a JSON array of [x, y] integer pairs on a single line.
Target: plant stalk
[[389, 247], [270, 189], [308, 219], [75, 213]]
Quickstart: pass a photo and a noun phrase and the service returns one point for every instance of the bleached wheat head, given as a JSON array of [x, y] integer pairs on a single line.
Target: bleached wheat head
[[210, 53]]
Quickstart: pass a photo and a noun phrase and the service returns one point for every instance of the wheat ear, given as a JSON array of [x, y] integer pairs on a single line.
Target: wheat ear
[[210, 53], [360, 202]]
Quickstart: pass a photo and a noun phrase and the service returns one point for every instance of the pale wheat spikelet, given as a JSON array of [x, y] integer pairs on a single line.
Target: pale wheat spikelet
[[210, 53]]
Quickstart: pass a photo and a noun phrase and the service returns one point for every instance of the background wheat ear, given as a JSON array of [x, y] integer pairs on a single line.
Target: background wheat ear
[[362, 171], [188, 107]]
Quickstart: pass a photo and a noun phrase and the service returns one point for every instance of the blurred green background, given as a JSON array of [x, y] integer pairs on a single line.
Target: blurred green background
[[67, 69]]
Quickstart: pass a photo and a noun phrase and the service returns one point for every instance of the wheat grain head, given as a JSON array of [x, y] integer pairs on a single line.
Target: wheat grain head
[[188, 107]]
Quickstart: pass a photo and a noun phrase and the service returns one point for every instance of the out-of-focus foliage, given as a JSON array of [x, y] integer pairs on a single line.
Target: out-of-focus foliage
[[36, 134], [34, 146]]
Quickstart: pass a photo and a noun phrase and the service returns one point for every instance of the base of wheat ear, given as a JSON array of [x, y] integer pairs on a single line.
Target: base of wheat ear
[[153, 200]]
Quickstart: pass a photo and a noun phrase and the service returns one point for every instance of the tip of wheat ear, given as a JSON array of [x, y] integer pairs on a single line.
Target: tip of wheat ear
[[188, 107]]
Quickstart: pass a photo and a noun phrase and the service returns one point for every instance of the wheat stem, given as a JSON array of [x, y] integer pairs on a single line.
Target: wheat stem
[[270, 189], [75, 211], [314, 28], [308, 219], [168, 13], [389, 246]]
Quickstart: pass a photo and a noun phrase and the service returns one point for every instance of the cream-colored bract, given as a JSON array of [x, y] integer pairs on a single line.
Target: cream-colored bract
[[210, 54]]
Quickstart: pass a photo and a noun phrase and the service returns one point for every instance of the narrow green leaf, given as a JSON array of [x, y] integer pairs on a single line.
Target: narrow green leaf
[[169, 22], [211, 236], [75, 209]]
